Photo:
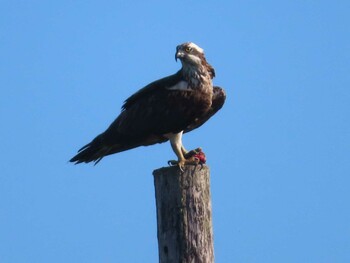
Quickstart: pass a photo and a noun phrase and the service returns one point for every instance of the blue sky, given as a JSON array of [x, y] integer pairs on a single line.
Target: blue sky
[[278, 151]]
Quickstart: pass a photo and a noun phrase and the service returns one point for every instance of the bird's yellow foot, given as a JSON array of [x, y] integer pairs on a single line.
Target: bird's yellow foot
[[182, 163]]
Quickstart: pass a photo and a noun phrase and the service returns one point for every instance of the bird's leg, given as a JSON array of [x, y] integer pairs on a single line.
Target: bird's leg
[[176, 144], [183, 150]]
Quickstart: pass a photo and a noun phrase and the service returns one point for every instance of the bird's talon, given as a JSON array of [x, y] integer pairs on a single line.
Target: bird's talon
[[172, 162], [182, 163]]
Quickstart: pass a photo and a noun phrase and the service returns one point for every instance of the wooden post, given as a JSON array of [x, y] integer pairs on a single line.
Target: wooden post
[[184, 221]]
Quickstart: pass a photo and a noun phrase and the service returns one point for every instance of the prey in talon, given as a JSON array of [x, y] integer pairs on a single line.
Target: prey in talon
[[192, 157], [163, 111]]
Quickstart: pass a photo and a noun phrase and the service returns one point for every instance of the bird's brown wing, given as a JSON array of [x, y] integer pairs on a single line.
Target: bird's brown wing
[[219, 97], [146, 116]]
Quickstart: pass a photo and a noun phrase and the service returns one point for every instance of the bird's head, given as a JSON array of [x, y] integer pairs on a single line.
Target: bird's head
[[192, 55], [189, 53]]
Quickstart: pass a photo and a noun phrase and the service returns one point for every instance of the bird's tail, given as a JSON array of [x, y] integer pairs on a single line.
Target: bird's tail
[[91, 152]]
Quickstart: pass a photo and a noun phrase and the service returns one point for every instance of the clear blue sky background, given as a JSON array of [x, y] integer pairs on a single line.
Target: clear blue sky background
[[278, 150]]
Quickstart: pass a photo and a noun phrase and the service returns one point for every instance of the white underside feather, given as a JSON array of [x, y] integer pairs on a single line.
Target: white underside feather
[[182, 85]]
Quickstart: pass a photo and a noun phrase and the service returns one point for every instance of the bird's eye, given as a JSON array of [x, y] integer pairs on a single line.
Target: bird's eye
[[188, 49]]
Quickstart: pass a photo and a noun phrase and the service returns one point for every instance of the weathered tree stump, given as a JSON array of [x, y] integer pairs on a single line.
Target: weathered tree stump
[[184, 221]]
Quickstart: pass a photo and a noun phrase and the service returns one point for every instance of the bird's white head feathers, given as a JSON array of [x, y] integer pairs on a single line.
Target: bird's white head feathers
[[194, 46]]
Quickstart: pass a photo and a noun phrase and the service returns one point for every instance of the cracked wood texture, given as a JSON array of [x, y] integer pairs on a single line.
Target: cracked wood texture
[[184, 215]]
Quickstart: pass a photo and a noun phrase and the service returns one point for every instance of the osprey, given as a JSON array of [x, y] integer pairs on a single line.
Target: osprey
[[163, 110]]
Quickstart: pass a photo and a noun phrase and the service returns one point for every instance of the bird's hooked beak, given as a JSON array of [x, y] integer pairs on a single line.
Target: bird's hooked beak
[[179, 53]]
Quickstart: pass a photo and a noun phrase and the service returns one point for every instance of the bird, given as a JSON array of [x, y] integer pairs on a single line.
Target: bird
[[163, 111]]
